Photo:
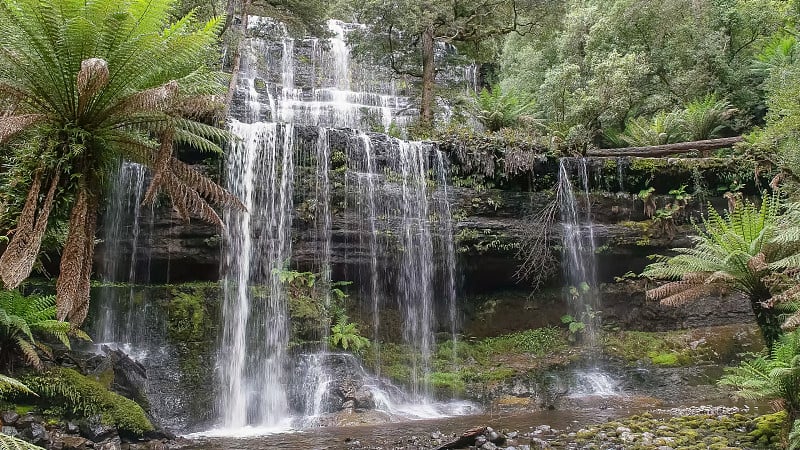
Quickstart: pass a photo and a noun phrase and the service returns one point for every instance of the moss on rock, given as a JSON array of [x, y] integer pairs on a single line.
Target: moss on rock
[[84, 397]]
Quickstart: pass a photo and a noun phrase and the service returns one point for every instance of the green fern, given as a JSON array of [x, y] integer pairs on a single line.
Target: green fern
[[345, 334], [735, 251], [774, 377], [496, 109], [9, 385], [11, 443], [663, 128], [22, 319], [705, 118]]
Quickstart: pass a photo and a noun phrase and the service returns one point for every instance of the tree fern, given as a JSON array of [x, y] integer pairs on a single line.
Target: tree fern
[[735, 251], [84, 85], [774, 377], [705, 118]]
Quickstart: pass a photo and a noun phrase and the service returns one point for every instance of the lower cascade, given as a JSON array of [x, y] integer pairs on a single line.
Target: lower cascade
[[396, 201]]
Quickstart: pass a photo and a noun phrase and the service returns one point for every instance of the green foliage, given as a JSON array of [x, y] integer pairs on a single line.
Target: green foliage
[[769, 428], [733, 252], [448, 381], [778, 142], [496, 109], [598, 63], [345, 334], [9, 385], [663, 128], [774, 377], [573, 325], [537, 341], [11, 443], [492, 157], [705, 118], [187, 316], [85, 85], [22, 319], [85, 397]]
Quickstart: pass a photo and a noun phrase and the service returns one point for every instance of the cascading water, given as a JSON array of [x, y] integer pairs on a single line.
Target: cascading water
[[124, 221], [258, 244], [579, 262], [578, 246], [404, 227]]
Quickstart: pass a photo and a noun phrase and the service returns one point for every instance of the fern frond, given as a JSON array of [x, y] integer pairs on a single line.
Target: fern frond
[[12, 385], [29, 353], [11, 443]]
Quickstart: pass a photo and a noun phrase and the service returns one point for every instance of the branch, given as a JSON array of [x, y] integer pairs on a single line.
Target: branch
[[393, 63], [667, 149]]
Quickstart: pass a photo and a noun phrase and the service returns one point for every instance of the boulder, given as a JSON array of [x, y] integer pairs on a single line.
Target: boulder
[[94, 429], [9, 417]]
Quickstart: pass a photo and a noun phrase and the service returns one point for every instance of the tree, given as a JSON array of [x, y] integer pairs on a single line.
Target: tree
[[737, 253], [604, 62], [406, 34], [83, 85]]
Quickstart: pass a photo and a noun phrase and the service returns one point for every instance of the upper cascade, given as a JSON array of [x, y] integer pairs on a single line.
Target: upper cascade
[[315, 82]]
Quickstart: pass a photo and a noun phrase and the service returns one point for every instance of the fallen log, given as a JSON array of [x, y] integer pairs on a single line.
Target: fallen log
[[667, 149], [467, 439]]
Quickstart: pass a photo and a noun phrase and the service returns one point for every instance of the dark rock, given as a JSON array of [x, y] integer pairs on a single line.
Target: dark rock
[[11, 431], [495, 437], [36, 434], [25, 421], [94, 429], [9, 417], [130, 377], [73, 428], [74, 443]]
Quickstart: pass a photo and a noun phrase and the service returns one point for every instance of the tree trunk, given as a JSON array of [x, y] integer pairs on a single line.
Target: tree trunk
[[667, 149], [237, 57], [428, 77], [768, 320]]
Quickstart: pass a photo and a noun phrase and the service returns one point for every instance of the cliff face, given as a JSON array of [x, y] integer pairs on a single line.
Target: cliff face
[[489, 222]]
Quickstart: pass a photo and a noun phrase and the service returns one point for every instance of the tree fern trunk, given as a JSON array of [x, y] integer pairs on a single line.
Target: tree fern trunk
[[768, 320]]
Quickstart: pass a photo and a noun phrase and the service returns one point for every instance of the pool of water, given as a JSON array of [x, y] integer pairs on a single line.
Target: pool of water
[[398, 434]]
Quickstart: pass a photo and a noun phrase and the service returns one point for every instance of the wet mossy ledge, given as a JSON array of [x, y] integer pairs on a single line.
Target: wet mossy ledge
[[63, 392], [507, 338]]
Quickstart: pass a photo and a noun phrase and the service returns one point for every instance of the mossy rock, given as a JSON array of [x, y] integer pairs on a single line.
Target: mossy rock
[[84, 397]]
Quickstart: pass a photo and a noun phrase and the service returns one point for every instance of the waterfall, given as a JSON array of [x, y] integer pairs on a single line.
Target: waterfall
[[580, 270], [396, 191], [255, 336], [126, 258], [579, 246], [448, 249]]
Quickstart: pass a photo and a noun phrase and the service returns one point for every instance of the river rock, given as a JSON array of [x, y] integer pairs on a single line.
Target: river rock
[[113, 443], [74, 443], [36, 434], [11, 431], [9, 417], [94, 429]]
